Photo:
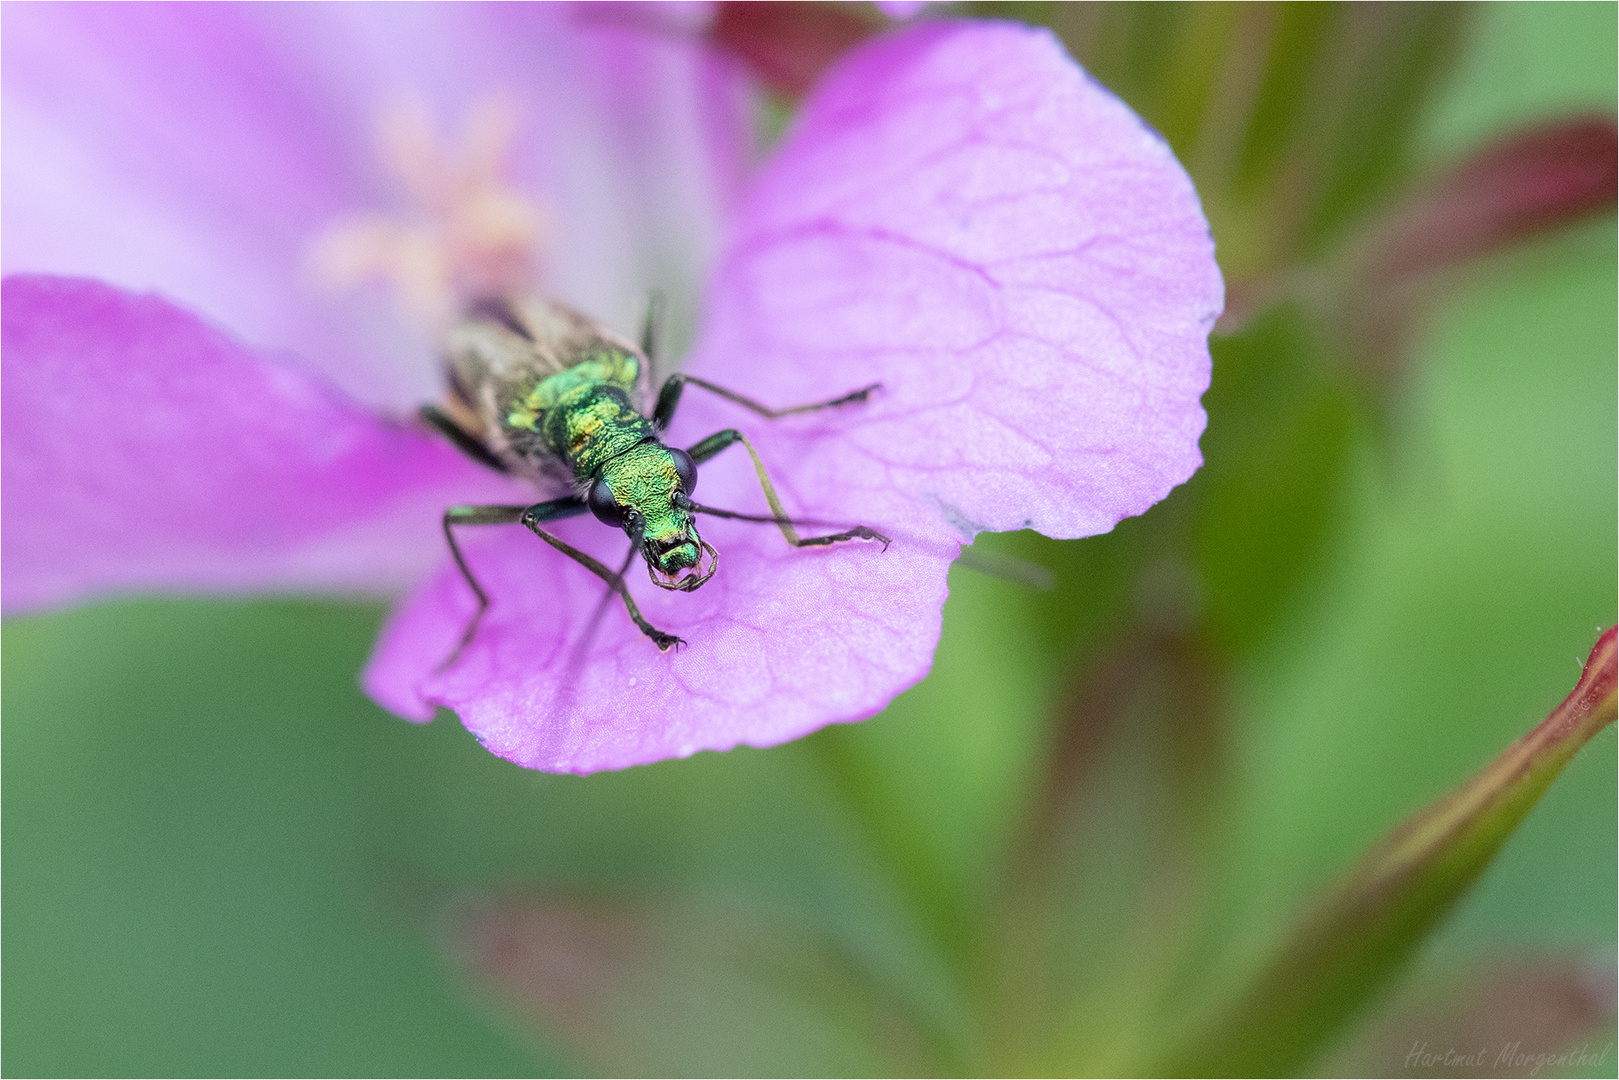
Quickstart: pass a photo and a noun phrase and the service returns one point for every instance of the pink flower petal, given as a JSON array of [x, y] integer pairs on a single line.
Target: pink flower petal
[[198, 150], [961, 214], [144, 449]]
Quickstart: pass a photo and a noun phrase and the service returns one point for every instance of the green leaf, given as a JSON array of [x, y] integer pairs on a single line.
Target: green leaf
[[1358, 935]]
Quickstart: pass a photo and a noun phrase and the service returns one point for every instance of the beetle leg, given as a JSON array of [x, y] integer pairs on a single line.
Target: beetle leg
[[467, 443], [669, 399], [493, 515], [615, 581], [651, 325], [717, 442]]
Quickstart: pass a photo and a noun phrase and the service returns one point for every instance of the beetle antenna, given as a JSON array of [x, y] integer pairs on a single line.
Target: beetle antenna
[[765, 519]]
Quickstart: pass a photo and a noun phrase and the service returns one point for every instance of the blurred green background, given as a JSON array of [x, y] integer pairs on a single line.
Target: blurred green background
[[221, 859]]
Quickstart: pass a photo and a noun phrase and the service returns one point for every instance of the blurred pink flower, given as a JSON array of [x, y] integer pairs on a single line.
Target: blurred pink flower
[[958, 212]]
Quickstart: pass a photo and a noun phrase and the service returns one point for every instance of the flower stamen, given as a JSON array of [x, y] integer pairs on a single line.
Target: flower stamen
[[467, 231]]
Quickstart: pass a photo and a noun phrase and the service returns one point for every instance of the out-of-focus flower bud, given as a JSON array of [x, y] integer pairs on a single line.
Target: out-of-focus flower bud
[[788, 45], [1510, 190]]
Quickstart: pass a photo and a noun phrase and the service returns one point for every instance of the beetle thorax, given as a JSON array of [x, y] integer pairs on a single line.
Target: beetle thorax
[[593, 425]]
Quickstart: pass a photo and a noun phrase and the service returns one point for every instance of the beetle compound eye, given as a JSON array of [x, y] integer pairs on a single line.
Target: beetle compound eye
[[685, 468], [603, 505]]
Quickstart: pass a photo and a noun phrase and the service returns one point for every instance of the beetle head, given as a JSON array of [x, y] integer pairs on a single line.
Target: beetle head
[[646, 492]]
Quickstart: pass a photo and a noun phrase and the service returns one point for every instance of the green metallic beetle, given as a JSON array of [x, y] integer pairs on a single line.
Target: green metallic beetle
[[542, 393]]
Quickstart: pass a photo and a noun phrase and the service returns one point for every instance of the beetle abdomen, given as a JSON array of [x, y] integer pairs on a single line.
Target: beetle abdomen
[[524, 368]]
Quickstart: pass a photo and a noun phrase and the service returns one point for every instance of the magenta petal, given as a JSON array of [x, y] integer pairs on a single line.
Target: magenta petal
[[965, 216], [144, 449], [961, 214], [198, 150]]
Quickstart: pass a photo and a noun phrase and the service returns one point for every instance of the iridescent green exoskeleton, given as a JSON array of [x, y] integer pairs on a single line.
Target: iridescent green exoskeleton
[[540, 392]]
